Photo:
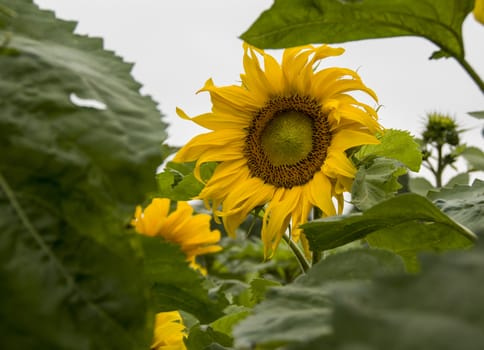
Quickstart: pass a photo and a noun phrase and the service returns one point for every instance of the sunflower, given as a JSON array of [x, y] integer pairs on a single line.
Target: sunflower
[[280, 140], [169, 332], [191, 232]]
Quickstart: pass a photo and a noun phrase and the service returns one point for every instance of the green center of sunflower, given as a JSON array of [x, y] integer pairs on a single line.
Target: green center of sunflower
[[287, 138], [287, 141]]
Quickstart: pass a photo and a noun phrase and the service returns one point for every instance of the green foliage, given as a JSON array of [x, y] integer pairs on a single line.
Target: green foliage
[[395, 144], [259, 287], [176, 286], [384, 314], [70, 177], [406, 224], [206, 338], [291, 23], [463, 203], [419, 185], [376, 181], [380, 166], [477, 114], [361, 299], [54, 278], [474, 157], [177, 181], [243, 259], [302, 311], [459, 179]]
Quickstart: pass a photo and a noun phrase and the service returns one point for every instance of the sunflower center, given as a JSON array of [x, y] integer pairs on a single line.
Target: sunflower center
[[287, 141], [287, 138]]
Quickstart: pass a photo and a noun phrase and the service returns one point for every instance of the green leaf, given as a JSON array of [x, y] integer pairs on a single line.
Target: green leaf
[[291, 23], [206, 338], [178, 182], [463, 203], [243, 259], [5, 15], [439, 54], [406, 224], [176, 286], [477, 114], [474, 157], [54, 278], [394, 144], [440, 309], [419, 185], [376, 180], [459, 179], [301, 311], [226, 323], [71, 176], [361, 299], [259, 286]]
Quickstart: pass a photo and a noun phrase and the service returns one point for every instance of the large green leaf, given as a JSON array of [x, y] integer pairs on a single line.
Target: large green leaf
[[290, 23], [175, 286], [440, 309], [406, 224], [301, 311], [62, 289], [360, 299], [463, 203], [70, 179]]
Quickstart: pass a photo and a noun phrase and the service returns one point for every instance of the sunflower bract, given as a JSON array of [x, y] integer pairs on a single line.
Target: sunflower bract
[[280, 140]]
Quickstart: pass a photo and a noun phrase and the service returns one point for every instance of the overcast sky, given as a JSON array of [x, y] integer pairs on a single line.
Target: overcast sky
[[177, 45]]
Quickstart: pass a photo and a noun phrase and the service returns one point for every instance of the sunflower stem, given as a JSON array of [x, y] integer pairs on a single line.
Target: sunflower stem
[[472, 73], [301, 259], [440, 167], [317, 214]]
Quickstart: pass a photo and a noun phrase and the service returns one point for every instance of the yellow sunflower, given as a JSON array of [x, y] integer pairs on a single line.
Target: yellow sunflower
[[191, 232], [169, 332], [280, 139]]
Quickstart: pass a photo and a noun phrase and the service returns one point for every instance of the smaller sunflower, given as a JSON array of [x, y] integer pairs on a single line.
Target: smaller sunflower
[[191, 232], [169, 332]]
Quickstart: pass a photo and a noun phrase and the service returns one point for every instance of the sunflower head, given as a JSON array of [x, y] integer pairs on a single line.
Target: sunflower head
[[441, 129], [280, 140], [191, 232]]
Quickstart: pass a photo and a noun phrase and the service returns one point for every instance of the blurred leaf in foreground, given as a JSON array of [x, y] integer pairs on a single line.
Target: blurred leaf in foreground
[[361, 299], [79, 149]]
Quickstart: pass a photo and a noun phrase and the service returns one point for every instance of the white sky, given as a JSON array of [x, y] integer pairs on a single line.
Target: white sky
[[177, 45]]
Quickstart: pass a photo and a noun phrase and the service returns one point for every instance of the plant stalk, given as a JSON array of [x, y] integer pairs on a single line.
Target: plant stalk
[[472, 73], [303, 263]]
